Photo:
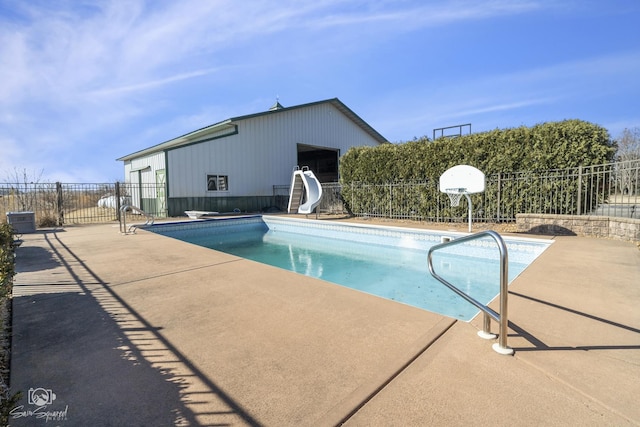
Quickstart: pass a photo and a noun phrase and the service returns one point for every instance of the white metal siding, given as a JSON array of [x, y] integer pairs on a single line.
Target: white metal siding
[[263, 153], [140, 172], [154, 161]]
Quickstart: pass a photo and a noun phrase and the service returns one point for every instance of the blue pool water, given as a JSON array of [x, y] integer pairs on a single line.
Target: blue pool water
[[389, 262]]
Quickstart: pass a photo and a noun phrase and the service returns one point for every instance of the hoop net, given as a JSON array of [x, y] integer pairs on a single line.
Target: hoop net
[[455, 194]]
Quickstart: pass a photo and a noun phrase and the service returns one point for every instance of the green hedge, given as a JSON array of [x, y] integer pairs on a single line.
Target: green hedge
[[7, 261], [7, 271], [537, 150]]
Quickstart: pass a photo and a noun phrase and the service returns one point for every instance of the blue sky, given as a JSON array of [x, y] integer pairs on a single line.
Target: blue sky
[[84, 82]]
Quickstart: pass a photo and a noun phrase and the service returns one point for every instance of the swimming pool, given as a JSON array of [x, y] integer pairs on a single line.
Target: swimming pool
[[390, 262]]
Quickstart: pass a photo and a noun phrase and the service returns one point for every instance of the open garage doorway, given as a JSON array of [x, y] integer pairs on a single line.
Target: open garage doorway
[[322, 161]]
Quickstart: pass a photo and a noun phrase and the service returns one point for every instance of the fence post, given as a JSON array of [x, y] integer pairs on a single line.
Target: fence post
[[390, 200], [579, 210], [353, 199], [498, 196], [59, 204], [117, 191], [438, 205]]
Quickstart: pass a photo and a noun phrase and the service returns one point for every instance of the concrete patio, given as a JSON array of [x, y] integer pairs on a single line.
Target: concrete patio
[[146, 330]]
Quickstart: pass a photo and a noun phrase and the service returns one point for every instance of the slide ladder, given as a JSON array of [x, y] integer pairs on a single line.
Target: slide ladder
[[305, 192]]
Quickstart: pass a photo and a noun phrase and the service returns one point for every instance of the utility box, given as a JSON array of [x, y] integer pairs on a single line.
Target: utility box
[[22, 222]]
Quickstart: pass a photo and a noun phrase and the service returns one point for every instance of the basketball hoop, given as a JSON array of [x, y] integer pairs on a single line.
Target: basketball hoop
[[455, 194], [462, 180]]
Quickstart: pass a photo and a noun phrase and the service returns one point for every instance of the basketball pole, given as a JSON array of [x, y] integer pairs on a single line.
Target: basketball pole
[[470, 209]]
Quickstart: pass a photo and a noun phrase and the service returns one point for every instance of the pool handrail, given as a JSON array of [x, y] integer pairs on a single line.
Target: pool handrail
[[502, 318], [123, 218]]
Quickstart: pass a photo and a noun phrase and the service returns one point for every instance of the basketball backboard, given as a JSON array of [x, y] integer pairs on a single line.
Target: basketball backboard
[[462, 179]]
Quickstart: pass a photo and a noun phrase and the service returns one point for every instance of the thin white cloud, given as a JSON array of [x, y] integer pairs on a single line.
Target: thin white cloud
[[428, 14], [450, 113], [553, 92], [134, 45], [10, 153], [495, 107], [152, 84], [614, 65]]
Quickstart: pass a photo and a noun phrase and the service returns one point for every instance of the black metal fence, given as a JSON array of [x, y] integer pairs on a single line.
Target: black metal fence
[[608, 190], [604, 190], [56, 204]]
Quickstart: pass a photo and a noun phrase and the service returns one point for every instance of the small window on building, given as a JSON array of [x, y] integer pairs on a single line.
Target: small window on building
[[217, 183]]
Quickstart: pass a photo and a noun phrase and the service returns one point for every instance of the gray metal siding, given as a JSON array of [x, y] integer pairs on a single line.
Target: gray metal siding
[[142, 173], [263, 153], [154, 161]]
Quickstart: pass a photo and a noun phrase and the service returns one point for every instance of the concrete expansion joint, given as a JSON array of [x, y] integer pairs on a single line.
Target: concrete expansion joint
[[379, 384], [554, 376]]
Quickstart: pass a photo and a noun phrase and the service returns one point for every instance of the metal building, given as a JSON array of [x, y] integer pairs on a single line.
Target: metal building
[[236, 163]]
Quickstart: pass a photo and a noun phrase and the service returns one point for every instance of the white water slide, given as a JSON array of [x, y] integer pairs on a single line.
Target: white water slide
[[305, 192]]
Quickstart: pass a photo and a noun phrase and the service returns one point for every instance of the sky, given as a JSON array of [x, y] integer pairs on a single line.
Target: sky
[[84, 82]]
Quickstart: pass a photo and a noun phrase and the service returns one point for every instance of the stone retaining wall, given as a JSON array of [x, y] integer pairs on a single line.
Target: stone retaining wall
[[627, 229]]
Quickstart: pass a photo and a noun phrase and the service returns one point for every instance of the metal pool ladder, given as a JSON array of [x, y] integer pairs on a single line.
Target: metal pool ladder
[[123, 218], [501, 346]]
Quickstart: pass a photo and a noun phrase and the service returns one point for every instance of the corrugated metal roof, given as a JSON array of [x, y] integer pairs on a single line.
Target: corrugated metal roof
[[230, 124]]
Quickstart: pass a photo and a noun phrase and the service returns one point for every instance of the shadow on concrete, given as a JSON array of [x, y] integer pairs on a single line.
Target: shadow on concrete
[[538, 345], [550, 230], [36, 259], [121, 389], [90, 354]]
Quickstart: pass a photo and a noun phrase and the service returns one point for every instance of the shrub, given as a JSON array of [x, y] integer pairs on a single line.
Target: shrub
[[7, 261], [7, 271], [47, 221], [541, 148]]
